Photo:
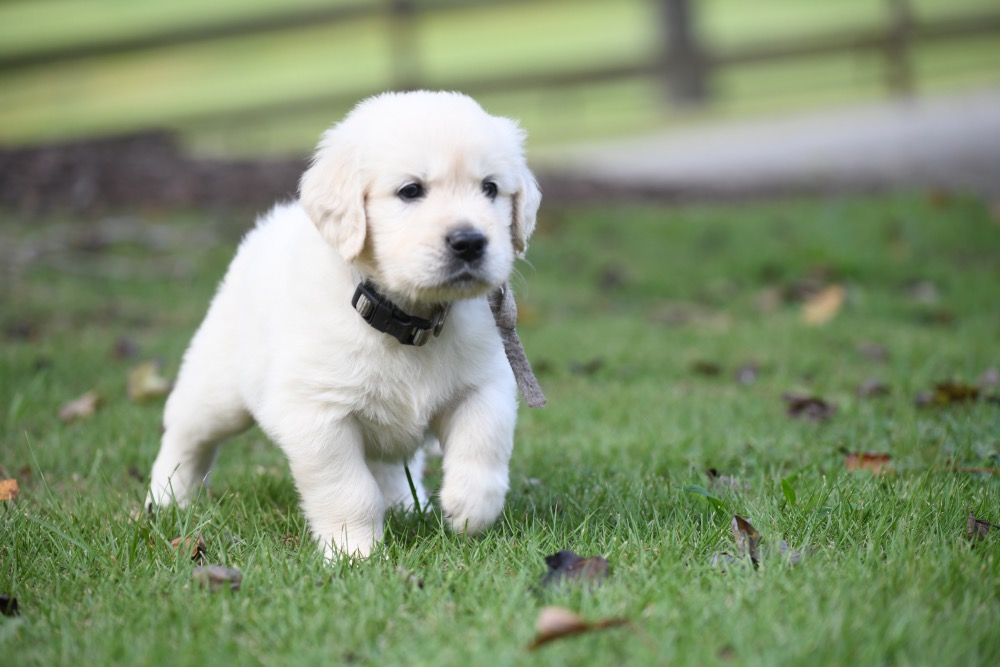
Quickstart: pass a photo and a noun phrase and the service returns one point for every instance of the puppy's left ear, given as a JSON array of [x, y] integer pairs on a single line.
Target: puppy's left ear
[[332, 193], [525, 209]]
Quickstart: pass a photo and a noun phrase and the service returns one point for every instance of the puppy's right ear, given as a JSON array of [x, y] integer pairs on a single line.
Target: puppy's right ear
[[332, 193]]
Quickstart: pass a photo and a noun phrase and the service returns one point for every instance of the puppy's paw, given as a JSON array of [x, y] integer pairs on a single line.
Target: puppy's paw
[[472, 502]]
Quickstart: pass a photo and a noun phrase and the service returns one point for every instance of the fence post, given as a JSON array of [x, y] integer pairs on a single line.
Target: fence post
[[403, 44], [899, 70], [684, 64]]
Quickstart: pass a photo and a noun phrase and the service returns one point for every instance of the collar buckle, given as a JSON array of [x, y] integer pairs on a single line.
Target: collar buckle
[[385, 316]]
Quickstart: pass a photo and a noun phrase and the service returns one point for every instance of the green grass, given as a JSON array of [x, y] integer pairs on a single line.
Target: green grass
[[613, 465]]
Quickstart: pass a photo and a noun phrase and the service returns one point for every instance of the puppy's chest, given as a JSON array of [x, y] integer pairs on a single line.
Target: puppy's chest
[[397, 403]]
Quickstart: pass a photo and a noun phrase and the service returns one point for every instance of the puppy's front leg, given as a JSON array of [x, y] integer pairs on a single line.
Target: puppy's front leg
[[340, 497], [478, 440]]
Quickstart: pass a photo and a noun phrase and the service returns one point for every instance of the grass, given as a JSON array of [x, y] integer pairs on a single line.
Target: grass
[[617, 307]]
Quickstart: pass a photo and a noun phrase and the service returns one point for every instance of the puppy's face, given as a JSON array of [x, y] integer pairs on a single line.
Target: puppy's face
[[426, 193]]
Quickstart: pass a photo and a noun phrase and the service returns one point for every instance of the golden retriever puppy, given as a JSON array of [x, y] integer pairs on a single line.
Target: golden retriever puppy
[[353, 323]]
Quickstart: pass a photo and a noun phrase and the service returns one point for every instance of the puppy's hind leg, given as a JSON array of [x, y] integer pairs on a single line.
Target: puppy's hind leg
[[198, 416]]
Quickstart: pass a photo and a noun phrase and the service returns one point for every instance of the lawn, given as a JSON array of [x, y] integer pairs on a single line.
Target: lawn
[[665, 339]]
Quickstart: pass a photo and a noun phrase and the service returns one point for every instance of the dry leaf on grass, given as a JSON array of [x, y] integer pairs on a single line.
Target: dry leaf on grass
[[823, 306], [8, 489], [813, 408], [193, 547], [947, 393], [747, 539], [216, 577], [567, 566], [703, 367], [876, 463], [8, 606], [557, 622], [81, 407], [145, 382], [977, 528]]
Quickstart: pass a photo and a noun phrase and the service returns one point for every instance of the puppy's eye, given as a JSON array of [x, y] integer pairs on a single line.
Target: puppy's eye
[[490, 189], [411, 191]]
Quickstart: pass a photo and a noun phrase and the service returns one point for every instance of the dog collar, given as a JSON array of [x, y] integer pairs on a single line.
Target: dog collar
[[385, 316]]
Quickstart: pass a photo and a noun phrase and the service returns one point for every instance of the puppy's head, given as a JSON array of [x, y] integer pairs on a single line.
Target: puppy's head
[[425, 193]]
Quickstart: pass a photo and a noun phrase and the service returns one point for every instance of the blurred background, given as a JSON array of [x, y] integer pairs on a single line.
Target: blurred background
[[232, 79]]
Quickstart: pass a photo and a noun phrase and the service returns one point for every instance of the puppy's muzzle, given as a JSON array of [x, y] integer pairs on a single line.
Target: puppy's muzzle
[[466, 244]]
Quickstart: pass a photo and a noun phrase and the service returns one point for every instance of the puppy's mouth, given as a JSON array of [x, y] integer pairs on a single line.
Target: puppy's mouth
[[465, 281]]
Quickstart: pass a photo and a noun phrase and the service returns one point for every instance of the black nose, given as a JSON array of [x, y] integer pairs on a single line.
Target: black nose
[[466, 244]]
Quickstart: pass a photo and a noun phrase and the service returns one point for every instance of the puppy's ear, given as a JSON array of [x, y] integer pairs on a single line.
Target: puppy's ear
[[332, 193], [525, 208]]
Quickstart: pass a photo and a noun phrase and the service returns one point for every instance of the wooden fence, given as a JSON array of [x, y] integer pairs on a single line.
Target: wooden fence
[[684, 63]]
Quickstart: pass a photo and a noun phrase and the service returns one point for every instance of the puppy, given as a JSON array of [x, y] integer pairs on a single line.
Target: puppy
[[354, 323]]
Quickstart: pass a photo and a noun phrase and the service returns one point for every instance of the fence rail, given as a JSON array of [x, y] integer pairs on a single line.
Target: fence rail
[[684, 63]]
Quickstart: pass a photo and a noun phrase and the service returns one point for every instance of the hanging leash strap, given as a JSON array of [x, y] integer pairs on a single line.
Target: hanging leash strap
[[505, 313]]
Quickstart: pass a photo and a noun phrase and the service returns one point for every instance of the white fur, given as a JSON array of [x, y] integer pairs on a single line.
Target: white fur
[[282, 346]]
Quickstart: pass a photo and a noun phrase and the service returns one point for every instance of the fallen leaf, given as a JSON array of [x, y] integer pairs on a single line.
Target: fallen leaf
[[566, 566], [194, 547], [216, 577], [702, 367], [557, 622], [146, 383], [977, 528], [808, 407], [747, 539], [81, 407], [876, 463], [947, 393], [8, 489], [873, 387], [824, 306], [8, 606]]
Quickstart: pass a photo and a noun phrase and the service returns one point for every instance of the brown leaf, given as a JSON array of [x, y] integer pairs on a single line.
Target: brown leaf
[[747, 539], [808, 407], [947, 393], [702, 367], [189, 546], [876, 463], [146, 383], [81, 407], [557, 622], [566, 566], [8, 489], [125, 348], [216, 577], [823, 306], [977, 528]]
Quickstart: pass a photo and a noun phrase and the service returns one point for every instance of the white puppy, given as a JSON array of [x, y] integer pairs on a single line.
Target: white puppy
[[354, 323]]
